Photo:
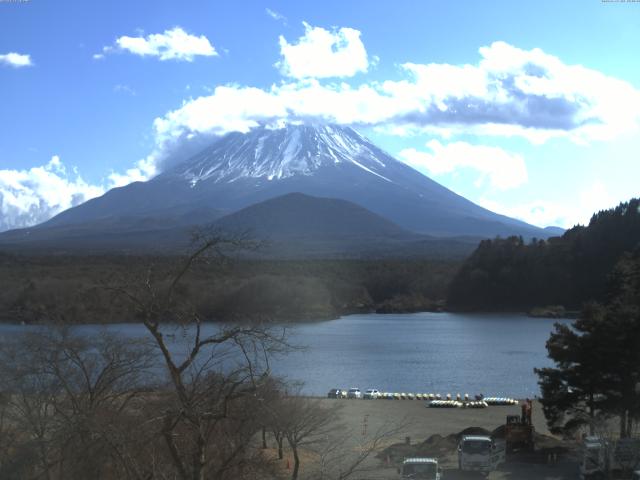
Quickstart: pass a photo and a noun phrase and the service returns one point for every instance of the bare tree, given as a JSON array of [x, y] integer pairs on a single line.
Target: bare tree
[[8, 434], [303, 422], [344, 454], [338, 453], [215, 377], [63, 392]]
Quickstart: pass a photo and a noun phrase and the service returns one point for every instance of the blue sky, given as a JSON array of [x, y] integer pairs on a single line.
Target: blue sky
[[532, 110]]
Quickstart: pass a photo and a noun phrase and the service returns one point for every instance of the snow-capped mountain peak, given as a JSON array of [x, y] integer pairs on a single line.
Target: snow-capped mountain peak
[[275, 154], [328, 161]]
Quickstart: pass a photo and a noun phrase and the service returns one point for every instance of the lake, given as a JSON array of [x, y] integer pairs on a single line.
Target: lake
[[493, 354]]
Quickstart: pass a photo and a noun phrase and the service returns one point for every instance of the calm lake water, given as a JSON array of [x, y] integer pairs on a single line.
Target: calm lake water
[[494, 354]]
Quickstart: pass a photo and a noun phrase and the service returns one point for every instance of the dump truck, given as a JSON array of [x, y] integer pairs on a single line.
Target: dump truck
[[422, 468], [518, 435], [479, 453], [519, 430]]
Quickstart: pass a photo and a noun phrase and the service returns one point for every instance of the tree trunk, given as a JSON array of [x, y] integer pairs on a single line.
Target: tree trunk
[[199, 459], [592, 414], [623, 424], [279, 441], [296, 464], [45, 461], [264, 438]]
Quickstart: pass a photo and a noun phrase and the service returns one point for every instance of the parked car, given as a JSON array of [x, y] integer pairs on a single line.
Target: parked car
[[354, 393], [337, 393], [420, 468], [371, 394]]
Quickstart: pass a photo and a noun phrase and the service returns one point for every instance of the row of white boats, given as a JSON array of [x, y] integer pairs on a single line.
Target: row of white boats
[[483, 403], [448, 401]]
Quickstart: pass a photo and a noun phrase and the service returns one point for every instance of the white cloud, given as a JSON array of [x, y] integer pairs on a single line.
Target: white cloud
[[322, 53], [517, 92], [539, 212], [510, 92], [276, 15], [502, 169], [32, 196], [16, 60], [123, 88], [593, 198], [142, 171], [174, 44], [227, 109]]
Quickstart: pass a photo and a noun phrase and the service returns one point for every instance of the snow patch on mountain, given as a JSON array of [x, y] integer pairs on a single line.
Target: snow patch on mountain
[[282, 153]]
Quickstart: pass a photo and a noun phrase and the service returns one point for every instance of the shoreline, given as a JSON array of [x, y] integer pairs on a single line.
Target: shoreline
[[305, 320]]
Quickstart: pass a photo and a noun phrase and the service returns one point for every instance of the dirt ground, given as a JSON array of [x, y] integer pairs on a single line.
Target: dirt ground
[[421, 423]]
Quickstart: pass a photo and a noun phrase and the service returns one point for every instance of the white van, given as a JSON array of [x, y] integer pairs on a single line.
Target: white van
[[354, 393], [420, 468], [371, 394]]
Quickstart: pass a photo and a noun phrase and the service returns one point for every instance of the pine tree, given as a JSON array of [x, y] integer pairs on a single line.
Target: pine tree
[[597, 359]]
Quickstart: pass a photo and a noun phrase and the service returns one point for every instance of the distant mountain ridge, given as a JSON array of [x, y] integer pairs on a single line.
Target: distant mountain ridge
[[291, 226]]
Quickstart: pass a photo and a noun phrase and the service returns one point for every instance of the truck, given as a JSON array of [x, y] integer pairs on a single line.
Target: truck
[[519, 434], [480, 453], [599, 456], [593, 458], [422, 468]]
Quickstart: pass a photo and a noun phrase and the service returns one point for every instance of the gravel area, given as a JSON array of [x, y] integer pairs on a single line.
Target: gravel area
[[420, 423]]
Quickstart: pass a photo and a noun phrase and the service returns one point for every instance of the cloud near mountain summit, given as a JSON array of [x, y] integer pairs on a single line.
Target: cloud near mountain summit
[[509, 92]]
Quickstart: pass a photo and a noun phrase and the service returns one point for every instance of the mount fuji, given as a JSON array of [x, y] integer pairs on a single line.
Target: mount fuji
[[242, 169]]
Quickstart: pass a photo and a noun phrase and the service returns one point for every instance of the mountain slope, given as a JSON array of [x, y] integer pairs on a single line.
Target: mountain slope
[[291, 226], [296, 215], [301, 226], [239, 169]]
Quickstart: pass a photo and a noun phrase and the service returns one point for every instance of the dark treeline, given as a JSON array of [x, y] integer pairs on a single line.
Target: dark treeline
[[73, 287], [511, 274]]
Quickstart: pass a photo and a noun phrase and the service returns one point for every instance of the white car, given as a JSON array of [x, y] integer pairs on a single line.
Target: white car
[[371, 394], [354, 393]]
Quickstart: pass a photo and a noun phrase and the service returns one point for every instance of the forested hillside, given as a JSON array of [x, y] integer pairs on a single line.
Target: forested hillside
[[78, 289], [509, 274]]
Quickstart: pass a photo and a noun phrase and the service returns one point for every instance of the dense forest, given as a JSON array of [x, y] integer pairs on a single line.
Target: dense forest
[[78, 289], [567, 271]]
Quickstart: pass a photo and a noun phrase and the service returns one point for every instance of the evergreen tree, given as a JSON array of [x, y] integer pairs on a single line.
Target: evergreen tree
[[597, 359], [573, 392]]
